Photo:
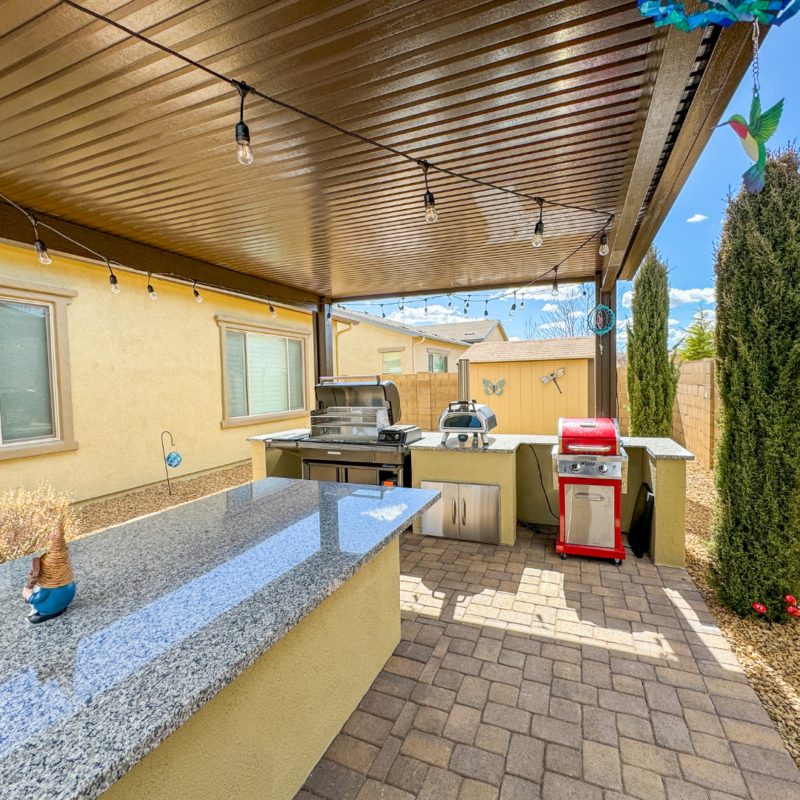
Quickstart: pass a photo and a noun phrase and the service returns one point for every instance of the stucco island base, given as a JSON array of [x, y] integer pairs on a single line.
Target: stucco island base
[[264, 732]]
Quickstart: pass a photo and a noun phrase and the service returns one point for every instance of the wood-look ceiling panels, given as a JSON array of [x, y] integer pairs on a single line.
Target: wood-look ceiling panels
[[109, 133]]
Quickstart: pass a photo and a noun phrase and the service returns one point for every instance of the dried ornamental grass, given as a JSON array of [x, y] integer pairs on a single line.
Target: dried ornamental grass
[[768, 654], [28, 519]]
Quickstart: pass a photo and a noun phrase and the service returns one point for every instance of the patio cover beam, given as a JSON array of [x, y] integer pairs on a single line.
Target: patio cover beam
[[658, 109], [16, 228]]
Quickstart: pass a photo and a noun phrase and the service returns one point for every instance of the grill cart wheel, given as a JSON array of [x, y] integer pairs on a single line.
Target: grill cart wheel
[[563, 556], [617, 562]]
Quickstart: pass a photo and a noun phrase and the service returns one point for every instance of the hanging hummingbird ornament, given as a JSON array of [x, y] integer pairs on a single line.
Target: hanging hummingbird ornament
[[754, 133]]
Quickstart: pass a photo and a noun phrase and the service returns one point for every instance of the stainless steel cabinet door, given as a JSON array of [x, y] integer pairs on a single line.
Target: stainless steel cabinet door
[[442, 518], [321, 472], [479, 512], [589, 515], [362, 475]]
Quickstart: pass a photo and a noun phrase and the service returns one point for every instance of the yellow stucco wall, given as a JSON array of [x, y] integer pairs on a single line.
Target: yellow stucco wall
[[527, 405], [496, 335], [259, 738], [357, 350], [139, 367]]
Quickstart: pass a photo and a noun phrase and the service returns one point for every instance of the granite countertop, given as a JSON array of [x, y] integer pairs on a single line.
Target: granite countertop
[[169, 610], [509, 443]]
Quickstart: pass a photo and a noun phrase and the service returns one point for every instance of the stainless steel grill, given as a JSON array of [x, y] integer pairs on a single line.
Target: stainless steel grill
[[465, 417], [348, 424]]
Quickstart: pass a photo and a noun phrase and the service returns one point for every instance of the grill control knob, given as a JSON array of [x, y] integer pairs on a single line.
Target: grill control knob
[[602, 468], [575, 467]]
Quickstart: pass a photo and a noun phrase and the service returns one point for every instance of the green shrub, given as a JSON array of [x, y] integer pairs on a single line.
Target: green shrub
[[699, 340], [652, 374], [757, 524]]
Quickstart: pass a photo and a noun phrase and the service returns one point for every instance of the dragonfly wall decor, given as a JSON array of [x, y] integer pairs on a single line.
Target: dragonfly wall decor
[[553, 376]]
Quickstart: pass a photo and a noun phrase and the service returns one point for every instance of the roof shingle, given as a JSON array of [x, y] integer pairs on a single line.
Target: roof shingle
[[532, 350]]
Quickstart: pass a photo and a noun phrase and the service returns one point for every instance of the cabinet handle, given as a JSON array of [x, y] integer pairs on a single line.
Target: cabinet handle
[[454, 511], [463, 512]]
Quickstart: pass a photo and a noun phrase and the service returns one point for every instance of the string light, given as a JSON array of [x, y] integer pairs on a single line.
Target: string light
[[486, 309], [400, 305], [604, 245], [513, 307], [112, 278], [538, 231], [522, 303], [272, 312], [41, 247], [150, 290], [449, 301], [426, 305], [554, 290], [243, 150], [197, 295], [383, 313], [431, 214]]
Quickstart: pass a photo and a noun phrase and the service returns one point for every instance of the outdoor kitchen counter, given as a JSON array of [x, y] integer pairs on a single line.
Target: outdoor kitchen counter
[[231, 636]]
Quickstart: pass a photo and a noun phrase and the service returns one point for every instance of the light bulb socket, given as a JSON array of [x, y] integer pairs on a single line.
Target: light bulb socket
[[41, 251], [197, 295], [112, 279], [242, 133], [429, 199]]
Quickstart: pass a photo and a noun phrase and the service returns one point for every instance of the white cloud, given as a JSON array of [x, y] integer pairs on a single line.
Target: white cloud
[[576, 313], [438, 314], [550, 307], [514, 339], [547, 326], [673, 322], [678, 297], [696, 218]]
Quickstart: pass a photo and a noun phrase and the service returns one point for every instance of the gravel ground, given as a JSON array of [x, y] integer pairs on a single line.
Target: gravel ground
[[98, 516], [768, 655]]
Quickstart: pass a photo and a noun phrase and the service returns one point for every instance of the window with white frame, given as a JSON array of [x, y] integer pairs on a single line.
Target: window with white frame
[[265, 373], [391, 363], [27, 373], [437, 363]]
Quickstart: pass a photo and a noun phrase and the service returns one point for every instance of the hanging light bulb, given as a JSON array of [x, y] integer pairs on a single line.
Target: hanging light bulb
[[449, 301], [197, 295], [522, 303], [584, 290], [328, 317], [383, 313], [604, 245], [486, 309], [41, 247], [112, 278], [400, 305], [272, 312], [431, 214], [426, 305], [538, 231], [150, 290], [244, 153], [554, 290], [513, 306]]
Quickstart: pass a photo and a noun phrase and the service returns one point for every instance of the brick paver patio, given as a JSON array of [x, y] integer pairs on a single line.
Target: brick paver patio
[[521, 676]]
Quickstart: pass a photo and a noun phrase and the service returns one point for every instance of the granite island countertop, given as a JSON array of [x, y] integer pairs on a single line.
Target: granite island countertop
[[658, 448], [171, 608]]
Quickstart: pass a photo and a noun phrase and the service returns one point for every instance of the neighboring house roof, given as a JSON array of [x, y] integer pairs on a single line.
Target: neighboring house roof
[[426, 331], [469, 332], [532, 350]]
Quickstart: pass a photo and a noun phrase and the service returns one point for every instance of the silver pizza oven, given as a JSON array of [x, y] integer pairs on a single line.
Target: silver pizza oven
[[465, 417]]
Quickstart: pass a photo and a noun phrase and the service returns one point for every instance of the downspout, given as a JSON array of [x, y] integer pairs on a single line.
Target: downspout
[[414, 353], [338, 334]]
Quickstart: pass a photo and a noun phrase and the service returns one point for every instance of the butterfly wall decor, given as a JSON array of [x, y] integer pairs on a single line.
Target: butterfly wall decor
[[553, 376], [493, 388]]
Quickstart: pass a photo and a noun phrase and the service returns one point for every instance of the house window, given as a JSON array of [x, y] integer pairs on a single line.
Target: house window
[[35, 401], [391, 364], [26, 373], [265, 373], [437, 363]]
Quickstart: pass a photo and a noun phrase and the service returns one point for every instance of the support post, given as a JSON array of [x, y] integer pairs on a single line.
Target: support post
[[605, 361], [323, 340]]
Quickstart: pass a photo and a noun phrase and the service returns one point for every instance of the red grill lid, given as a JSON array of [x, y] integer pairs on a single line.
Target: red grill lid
[[588, 436]]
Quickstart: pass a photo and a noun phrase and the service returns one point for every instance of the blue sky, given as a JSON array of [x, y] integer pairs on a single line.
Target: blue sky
[[687, 246]]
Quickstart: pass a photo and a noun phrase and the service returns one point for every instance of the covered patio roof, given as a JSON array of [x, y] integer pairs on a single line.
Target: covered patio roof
[[131, 150]]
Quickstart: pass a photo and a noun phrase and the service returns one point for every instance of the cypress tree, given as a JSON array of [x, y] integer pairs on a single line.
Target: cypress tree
[[757, 523], [699, 340], [652, 374]]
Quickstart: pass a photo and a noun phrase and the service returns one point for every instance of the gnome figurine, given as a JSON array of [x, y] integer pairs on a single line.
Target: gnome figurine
[[51, 583]]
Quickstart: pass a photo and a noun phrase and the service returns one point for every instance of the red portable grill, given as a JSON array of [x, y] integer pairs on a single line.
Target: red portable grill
[[590, 470]]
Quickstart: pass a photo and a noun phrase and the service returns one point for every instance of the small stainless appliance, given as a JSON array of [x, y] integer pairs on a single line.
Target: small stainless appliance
[[465, 417], [590, 471], [355, 436]]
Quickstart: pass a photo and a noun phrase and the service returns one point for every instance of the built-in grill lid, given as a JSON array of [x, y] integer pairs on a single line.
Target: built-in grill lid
[[362, 391]]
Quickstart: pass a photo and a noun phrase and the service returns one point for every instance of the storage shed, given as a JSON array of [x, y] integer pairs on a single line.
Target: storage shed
[[524, 385]]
